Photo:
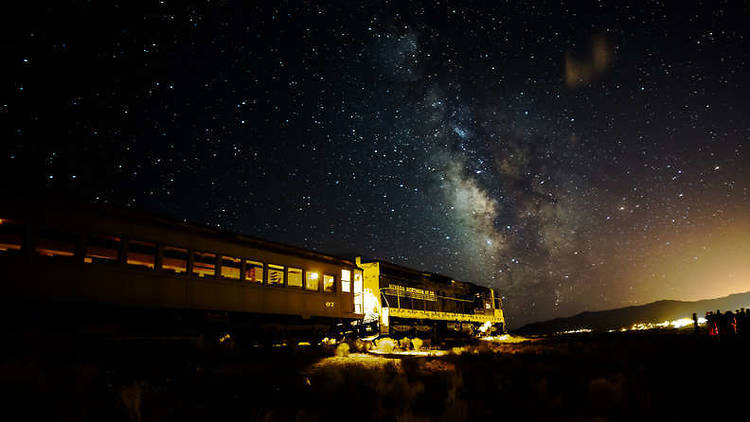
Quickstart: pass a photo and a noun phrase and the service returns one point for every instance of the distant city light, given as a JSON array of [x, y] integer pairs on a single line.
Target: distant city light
[[578, 331], [641, 326]]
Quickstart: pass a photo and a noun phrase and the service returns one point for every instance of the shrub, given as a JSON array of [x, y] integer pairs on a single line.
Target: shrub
[[342, 350], [417, 343], [458, 350], [385, 345], [405, 343]]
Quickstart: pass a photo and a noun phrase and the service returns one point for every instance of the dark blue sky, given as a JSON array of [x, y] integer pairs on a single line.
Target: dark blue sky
[[574, 156]]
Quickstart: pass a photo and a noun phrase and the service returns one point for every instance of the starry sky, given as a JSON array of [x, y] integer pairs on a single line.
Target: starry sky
[[573, 155]]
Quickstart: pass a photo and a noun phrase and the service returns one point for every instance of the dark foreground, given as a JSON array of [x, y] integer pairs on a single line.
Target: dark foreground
[[618, 376]]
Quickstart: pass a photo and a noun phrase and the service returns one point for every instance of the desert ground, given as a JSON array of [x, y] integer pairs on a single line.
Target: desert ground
[[667, 374]]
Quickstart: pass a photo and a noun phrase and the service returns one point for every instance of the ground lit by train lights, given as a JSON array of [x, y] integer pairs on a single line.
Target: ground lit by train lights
[[505, 338], [366, 360], [425, 353], [379, 358]]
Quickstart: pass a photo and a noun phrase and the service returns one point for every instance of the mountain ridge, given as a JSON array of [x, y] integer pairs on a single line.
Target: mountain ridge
[[657, 311]]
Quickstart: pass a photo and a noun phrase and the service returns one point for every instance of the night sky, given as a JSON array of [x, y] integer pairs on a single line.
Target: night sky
[[575, 156]]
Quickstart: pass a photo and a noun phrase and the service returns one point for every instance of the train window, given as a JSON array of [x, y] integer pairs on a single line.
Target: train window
[[275, 275], [294, 277], [346, 281], [11, 235], [358, 297], [141, 254], [230, 267], [174, 259], [102, 250], [55, 244], [329, 283], [254, 271], [312, 281], [204, 264]]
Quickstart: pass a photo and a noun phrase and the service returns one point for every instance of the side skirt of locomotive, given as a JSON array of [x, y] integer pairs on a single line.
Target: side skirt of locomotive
[[437, 329]]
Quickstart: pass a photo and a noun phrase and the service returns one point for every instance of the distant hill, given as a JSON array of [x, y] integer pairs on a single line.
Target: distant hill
[[663, 310]]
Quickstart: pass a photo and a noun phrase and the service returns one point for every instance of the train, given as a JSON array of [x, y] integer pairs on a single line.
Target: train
[[99, 269]]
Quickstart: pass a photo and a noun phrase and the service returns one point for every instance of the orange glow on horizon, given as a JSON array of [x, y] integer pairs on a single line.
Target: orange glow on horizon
[[707, 262]]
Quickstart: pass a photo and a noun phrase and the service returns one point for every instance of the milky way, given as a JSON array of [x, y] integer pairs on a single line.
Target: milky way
[[573, 156]]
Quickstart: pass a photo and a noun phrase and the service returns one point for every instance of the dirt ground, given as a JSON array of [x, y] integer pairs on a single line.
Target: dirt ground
[[619, 376]]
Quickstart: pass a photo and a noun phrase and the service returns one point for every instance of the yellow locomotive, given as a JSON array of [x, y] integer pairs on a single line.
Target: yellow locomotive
[[415, 303]]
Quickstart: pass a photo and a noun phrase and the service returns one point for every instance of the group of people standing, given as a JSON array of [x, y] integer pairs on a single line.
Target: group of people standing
[[726, 324]]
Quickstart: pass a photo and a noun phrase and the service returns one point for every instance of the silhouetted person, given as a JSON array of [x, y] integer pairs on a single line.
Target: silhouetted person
[[740, 317], [715, 320], [713, 329], [728, 324]]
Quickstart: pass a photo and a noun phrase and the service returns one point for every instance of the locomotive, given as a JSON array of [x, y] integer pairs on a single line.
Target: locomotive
[[101, 269], [421, 304]]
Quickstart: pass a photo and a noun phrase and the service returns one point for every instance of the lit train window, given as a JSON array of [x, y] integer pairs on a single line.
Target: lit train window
[[346, 281], [11, 236], [204, 264], [358, 297], [102, 249], [174, 259], [329, 283], [55, 244], [312, 281], [275, 275], [141, 254], [254, 271], [230, 267], [294, 277]]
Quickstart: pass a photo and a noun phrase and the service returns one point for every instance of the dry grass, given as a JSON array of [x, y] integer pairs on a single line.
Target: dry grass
[[584, 377], [363, 360]]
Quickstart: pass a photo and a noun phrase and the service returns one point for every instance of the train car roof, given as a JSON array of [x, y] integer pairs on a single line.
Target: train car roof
[[391, 268], [39, 209]]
